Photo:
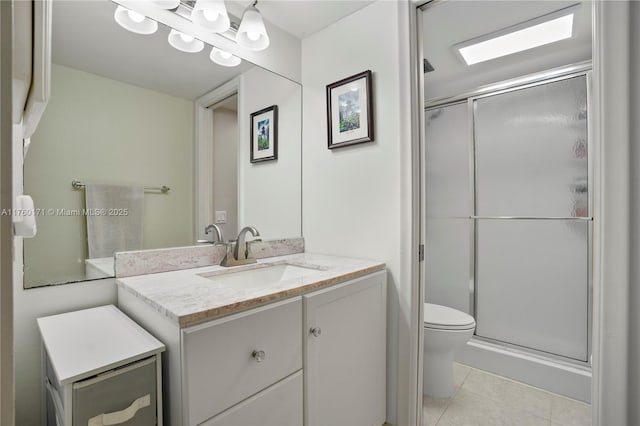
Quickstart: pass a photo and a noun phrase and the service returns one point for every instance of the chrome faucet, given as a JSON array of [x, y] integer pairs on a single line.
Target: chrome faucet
[[244, 253], [241, 254], [217, 235]]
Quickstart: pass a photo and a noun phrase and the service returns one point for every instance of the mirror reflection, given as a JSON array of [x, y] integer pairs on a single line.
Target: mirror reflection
[[122, 123]]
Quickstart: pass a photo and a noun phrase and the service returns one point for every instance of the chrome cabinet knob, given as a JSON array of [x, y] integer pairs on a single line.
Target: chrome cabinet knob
[[316, 331], [259, 356]]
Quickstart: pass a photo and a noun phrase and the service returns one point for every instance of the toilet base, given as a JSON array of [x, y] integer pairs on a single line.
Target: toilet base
[[438, 376]]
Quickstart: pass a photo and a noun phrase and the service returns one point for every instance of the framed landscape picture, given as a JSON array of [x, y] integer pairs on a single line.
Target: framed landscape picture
[[264, 134], [350, 111]]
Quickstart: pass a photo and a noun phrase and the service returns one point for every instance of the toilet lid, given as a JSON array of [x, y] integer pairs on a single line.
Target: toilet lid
[[438, 316]]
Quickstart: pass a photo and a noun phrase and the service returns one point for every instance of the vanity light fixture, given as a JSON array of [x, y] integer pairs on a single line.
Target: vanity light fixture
[[527, 35], [185, 42], [134, 21], [211, 15], [166, 4], [224, 58], [252, 34]]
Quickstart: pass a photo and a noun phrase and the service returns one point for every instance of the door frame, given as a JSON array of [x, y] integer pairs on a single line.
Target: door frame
[[612, 185], [203, 153]]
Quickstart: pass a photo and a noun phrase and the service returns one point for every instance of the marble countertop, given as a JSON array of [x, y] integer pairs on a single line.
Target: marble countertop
[[187, 298]]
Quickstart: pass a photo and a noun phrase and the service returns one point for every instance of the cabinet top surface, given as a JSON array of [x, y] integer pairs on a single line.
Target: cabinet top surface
[[83, 343], [192, 296]]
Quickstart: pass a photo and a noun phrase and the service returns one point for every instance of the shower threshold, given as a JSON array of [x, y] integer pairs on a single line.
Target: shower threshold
[[566, 377]]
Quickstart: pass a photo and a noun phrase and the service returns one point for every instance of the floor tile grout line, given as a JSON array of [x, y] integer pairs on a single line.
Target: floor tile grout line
[[500, 402], [455, 394], [549, 420], [502, 406], [446, 407], [508, 379], [450, 400]]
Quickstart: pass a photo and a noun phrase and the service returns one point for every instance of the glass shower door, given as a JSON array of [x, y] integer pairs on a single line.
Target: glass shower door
[[532, 218]]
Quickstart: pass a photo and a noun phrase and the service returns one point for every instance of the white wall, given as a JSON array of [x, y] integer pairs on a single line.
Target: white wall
[[269, 192], [356, 199]]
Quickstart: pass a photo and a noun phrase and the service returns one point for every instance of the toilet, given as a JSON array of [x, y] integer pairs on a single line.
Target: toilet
[[445, 331]]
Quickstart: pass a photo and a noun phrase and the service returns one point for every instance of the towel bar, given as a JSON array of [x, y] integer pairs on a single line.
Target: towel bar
[[164, 189]]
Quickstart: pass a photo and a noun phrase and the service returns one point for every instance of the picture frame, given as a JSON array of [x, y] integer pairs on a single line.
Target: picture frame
[[264, 135], [350, 111]]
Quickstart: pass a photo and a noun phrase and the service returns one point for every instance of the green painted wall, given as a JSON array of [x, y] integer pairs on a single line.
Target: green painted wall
[[101, 130]]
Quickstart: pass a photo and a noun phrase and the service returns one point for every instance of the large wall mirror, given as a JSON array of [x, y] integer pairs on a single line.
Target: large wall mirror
[[121, 123]]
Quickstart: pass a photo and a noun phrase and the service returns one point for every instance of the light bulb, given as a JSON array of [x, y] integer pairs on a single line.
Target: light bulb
[[224, 58], [186, 37], [134, 21], [253, 35], [135, 16], [210, 15]]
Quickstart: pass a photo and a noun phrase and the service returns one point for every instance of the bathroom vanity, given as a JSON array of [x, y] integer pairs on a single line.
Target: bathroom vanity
[[290, 340]]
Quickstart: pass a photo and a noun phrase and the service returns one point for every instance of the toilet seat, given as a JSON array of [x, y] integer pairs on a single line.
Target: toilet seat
[[445, 318]]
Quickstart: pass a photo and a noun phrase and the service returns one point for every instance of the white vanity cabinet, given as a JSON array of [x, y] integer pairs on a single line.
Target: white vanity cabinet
[[345, 353], [100, 368], [263, 366], [230, 368]]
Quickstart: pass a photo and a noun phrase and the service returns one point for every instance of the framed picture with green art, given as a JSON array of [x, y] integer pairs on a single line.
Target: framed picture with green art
[[350, 111], [264, 134]]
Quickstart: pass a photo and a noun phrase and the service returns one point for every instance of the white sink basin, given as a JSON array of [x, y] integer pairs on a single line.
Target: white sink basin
[[262, 275]]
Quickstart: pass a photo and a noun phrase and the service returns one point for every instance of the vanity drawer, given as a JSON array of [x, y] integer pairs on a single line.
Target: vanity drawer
[[126, 396], [278, 405], [221, 366]]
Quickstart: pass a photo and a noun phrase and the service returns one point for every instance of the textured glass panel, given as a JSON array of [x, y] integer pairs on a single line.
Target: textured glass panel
[[531, 151], [447, 263], [532, 284], [448, 206], [447, 161]]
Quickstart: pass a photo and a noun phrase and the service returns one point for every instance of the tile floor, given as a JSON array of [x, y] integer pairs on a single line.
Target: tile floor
[[485, 399]]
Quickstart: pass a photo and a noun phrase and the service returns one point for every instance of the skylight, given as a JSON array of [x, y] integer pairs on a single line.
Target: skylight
[[516, 39]]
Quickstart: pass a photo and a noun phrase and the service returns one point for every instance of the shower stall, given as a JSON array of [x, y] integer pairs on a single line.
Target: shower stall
[[508, 225]]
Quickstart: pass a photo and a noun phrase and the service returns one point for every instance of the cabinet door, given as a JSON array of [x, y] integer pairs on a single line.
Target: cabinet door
[[345, 353], [278, 405]]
